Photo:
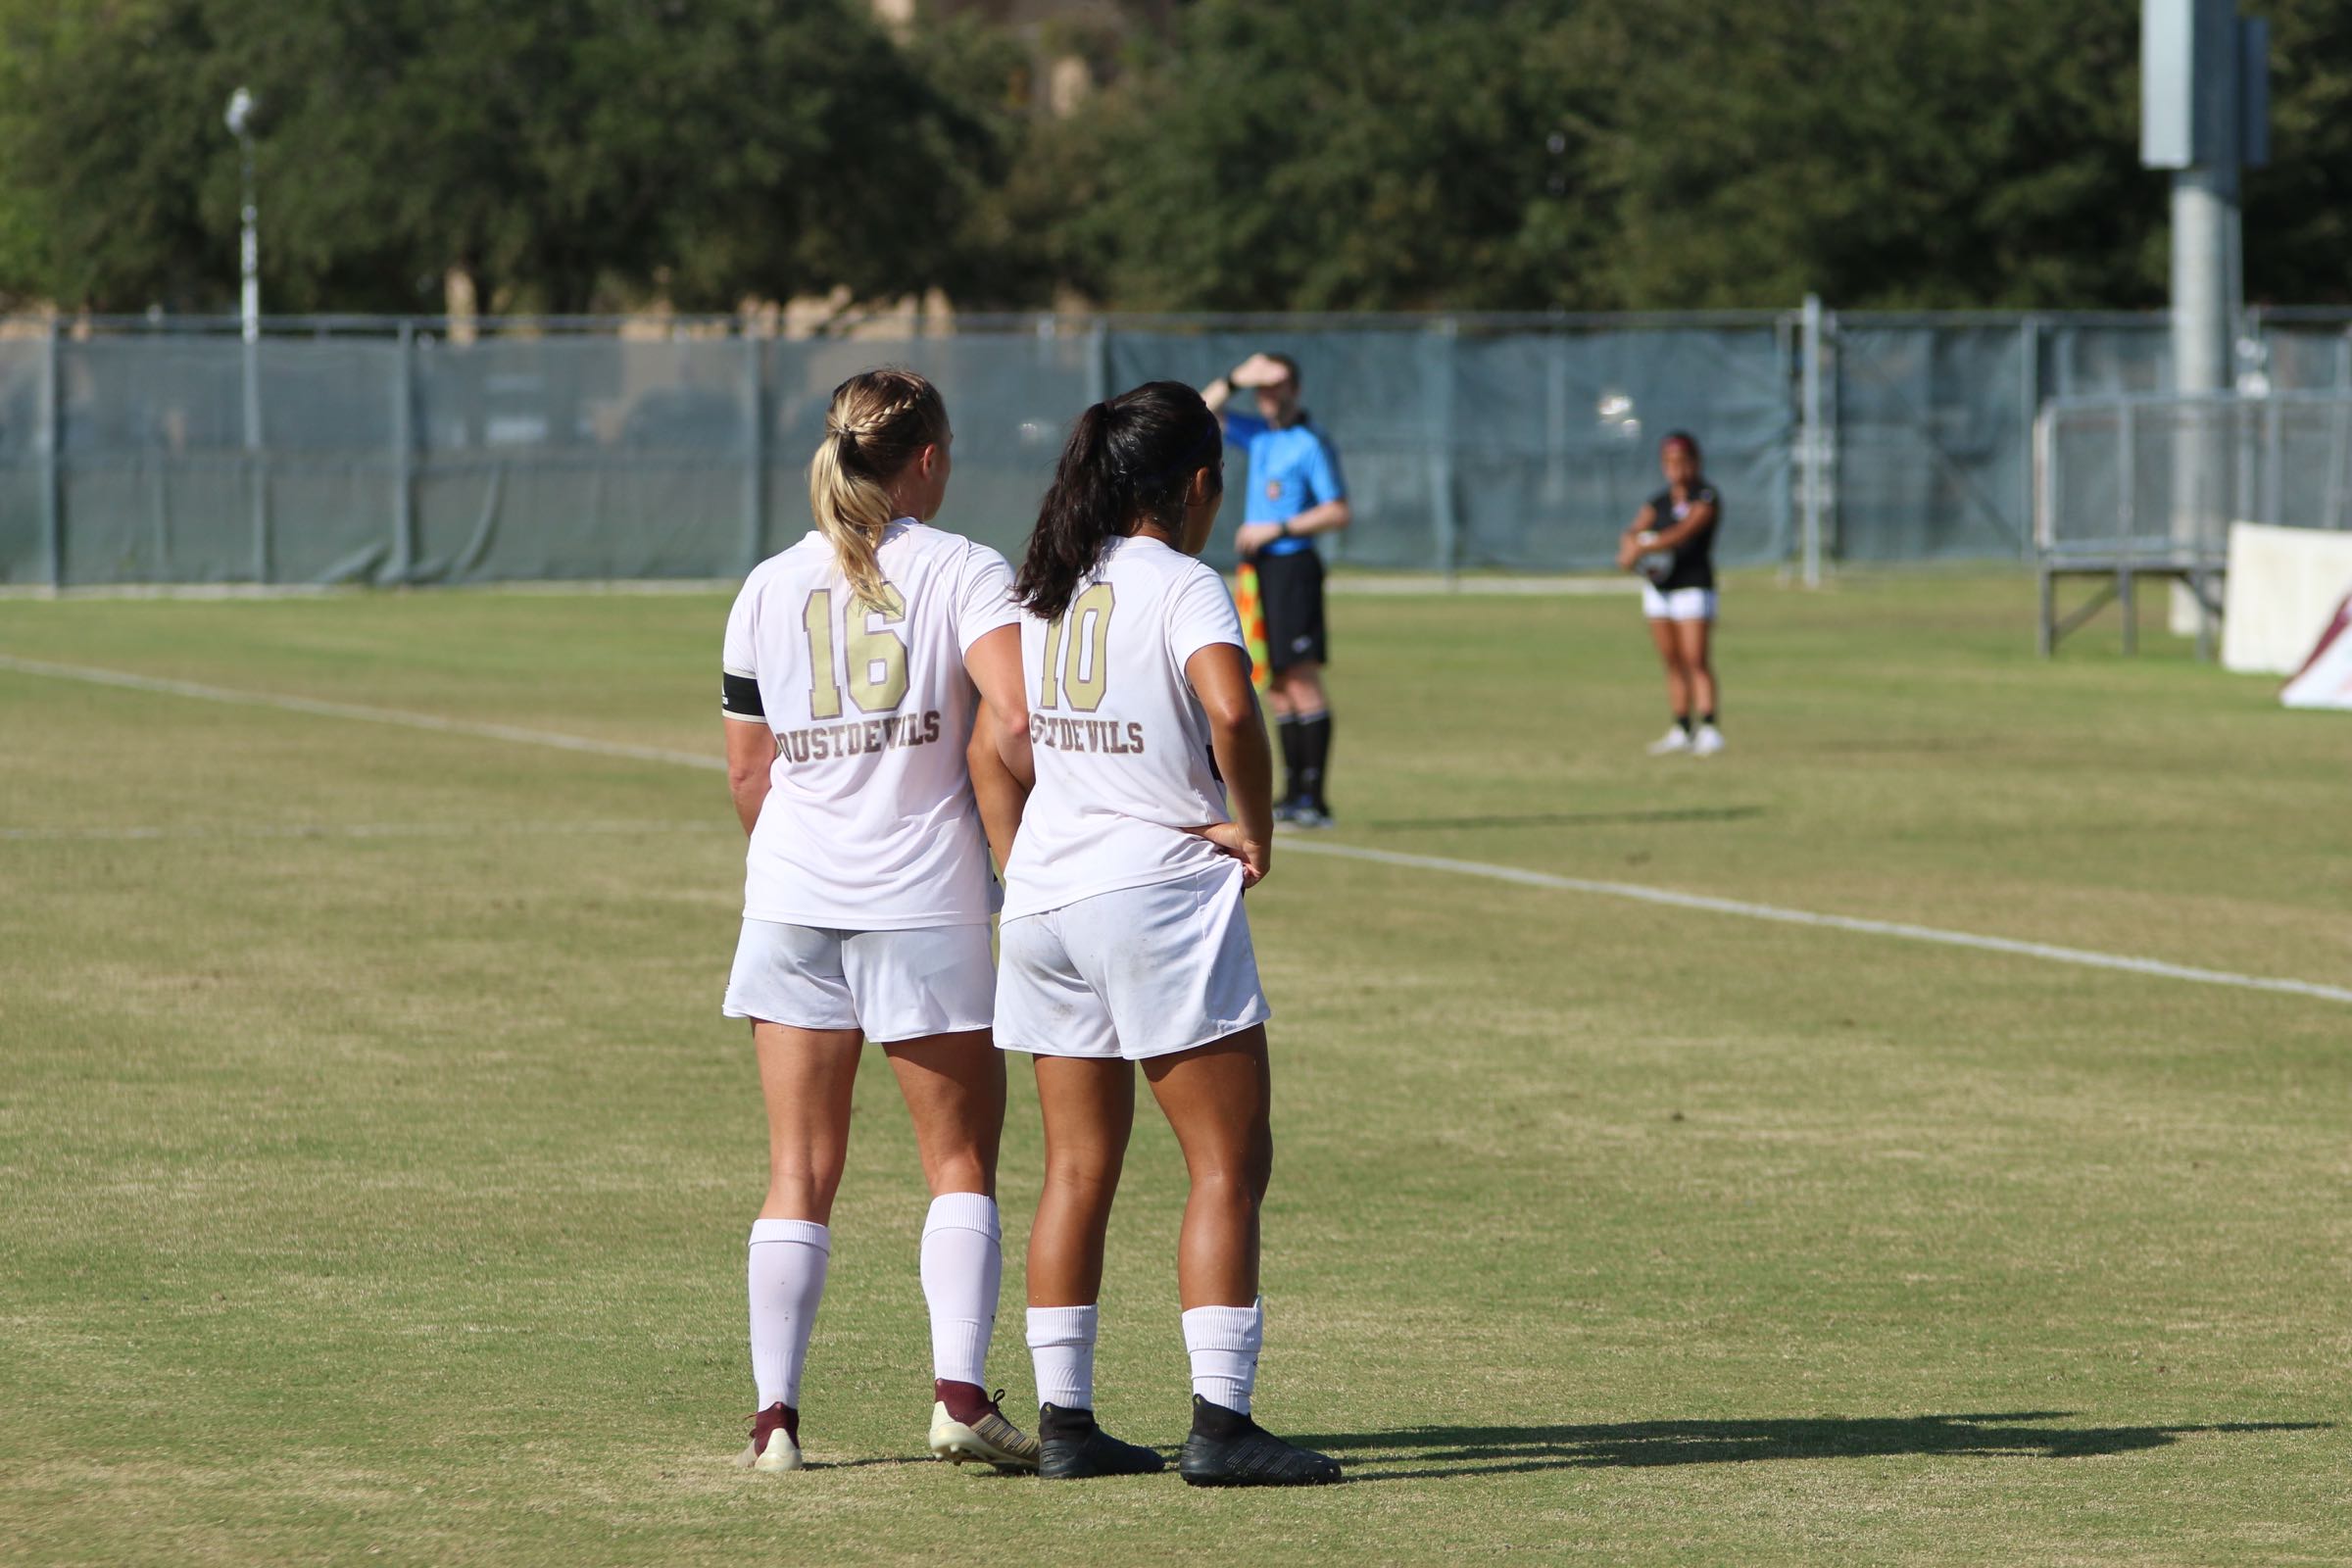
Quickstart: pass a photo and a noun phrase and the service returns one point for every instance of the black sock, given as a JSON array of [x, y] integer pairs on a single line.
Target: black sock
[[1285, 729], [1315, 755], [1707, 719], [1684, 721]]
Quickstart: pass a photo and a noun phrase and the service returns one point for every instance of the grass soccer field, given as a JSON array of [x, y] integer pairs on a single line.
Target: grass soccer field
[[377, 1166]]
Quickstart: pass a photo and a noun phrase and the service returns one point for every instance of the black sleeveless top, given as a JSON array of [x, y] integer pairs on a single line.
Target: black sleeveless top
[[1692, 564]]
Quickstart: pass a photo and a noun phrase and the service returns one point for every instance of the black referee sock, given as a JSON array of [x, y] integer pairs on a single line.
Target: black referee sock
[[1285, 729], [1315, 758]]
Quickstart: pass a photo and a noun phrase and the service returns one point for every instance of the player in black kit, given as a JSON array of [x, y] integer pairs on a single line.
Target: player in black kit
[[1671, 543]]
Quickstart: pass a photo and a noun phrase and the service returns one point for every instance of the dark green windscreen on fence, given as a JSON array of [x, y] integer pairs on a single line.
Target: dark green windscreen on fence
[[134, 457]]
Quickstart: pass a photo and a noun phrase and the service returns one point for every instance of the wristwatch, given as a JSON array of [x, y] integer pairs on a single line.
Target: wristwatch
[[1284, 526]]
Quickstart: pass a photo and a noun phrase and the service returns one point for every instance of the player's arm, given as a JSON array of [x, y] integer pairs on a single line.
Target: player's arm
[[1629, 543], [1002, 767], [1002, 798], [1219, 676], [1326, 517], [751, 761], [1255, 370], [1697, 520]]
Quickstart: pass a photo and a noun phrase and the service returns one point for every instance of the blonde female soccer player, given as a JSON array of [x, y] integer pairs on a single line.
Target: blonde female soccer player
[[1670, 542], [1123, 937], [851, 665]]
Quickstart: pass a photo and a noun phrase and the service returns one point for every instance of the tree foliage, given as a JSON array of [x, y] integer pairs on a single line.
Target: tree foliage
[[570, 153], [1311, 155]]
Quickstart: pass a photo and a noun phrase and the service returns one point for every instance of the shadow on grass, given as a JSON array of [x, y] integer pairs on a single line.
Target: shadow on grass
[[1436, 1452], [1663, 814]]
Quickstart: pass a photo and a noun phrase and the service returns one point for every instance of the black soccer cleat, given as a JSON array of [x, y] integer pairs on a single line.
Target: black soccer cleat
[[1071, 1447], [1227, 1448]]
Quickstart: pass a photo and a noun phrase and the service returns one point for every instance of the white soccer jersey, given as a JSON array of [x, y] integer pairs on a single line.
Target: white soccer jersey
[[1122, 746], [869, 823]]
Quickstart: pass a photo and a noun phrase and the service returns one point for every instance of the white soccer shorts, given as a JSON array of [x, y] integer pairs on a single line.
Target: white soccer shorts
[[1683, 603], [893, 985], [1136, 973]]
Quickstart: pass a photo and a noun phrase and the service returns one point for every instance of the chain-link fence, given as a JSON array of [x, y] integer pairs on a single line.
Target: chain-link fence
[[373, 451], [2155, 479]]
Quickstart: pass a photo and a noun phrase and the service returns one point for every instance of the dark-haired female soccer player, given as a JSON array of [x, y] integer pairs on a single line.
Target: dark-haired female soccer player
[[1123, 937], [1670, 542], [851, 666]]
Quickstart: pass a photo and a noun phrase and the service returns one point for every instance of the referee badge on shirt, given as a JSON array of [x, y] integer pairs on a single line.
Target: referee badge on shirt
[[1273, 489]]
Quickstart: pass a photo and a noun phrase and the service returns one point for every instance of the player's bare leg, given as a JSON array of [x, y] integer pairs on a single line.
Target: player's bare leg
[[1219, 1099], [1692, 640], [1088, 1108], [954, 1086], [806, 1077], [1088, 1113], [1678, 689]]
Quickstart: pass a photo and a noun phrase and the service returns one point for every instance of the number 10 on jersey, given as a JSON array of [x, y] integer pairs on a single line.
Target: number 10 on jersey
[[1075, 661]]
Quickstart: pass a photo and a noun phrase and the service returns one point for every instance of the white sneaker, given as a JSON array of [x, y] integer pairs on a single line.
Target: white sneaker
[[1708, 741], [1675, 740]]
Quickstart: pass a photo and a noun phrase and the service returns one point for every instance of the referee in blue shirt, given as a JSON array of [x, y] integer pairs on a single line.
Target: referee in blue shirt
[[1296, 493]]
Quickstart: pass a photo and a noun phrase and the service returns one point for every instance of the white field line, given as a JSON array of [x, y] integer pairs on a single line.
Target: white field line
[[354, 710], [2081, 957], [358, 830]]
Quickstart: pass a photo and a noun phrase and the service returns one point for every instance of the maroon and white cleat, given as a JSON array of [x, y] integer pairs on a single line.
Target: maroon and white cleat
[[775, 1440], [967, 1425]]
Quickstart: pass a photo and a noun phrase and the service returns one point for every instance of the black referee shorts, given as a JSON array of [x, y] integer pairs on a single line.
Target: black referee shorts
[[1290, 587]]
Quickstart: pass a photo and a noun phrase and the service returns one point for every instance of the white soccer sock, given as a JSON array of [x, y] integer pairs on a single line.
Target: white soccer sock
[[1061, 1344], [963, 1263], [787, 1281], [1224, 1342]]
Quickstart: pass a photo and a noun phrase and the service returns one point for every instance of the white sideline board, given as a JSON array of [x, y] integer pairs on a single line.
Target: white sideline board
[[2283, 588]]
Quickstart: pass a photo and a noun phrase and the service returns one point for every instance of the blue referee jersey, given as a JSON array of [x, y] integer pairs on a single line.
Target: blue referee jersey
[[1290, 471]]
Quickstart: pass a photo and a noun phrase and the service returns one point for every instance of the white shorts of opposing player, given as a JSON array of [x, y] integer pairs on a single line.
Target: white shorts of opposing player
[[1134, 973], [892, 985], [1680, 604]]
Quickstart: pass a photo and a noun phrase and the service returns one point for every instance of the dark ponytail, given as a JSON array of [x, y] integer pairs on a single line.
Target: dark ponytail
[[1128, 460]]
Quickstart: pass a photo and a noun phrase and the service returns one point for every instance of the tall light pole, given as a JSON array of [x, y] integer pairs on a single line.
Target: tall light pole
[[249, 249], [240, 125], [2204, 116]]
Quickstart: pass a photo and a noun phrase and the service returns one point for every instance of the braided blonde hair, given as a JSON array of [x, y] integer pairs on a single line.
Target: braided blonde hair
[[879, 421]]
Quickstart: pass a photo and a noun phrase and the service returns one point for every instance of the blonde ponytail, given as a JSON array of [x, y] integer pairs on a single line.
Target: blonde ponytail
[[879, 421]]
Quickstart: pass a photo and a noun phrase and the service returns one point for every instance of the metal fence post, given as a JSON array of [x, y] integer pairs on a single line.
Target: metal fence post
[[2274, 457], [1437, 382], [403, 455], [754, 449], [1098, 362], [2029, 333], [53, 512], [2129, 457], [2043, 474], [1809, 442], [2339, 439], [257, 463]]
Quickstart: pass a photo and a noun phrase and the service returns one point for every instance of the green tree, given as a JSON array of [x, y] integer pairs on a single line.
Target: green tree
[[2298, 211], [572, 153], [1338, 155], [1881, 153]]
